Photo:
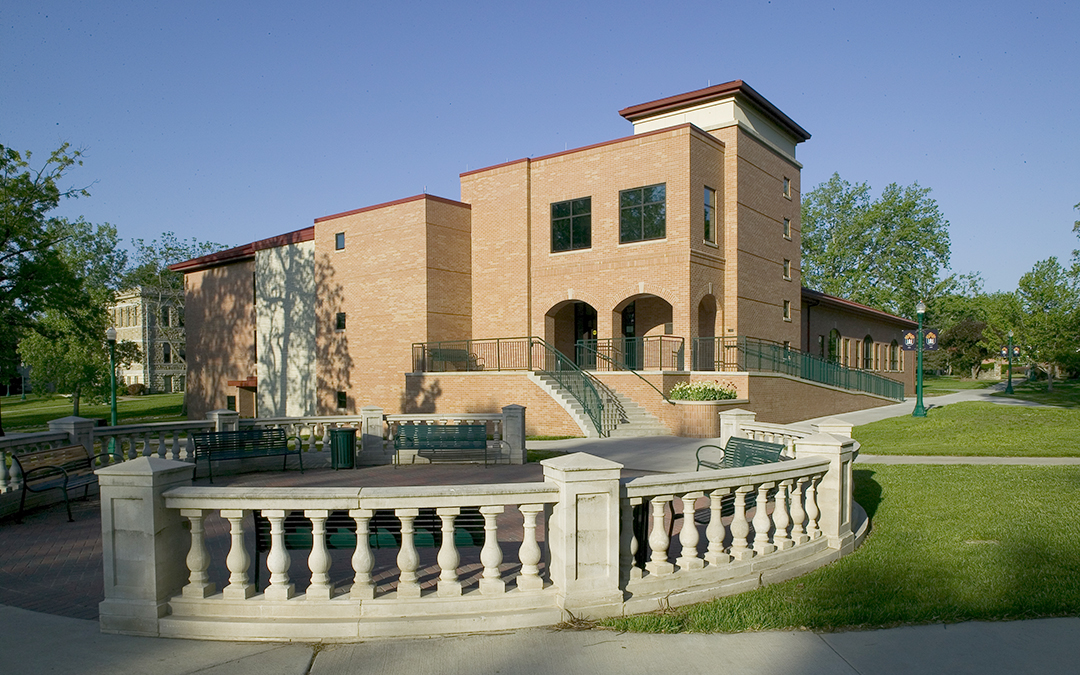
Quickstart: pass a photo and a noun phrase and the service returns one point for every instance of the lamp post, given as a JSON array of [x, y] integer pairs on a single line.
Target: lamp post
[[919, 410], [22, 378], [1008, 387], [110, 336]]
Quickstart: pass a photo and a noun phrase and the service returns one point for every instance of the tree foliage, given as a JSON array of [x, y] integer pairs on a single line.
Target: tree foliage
[[888, 252], [1048, 299]]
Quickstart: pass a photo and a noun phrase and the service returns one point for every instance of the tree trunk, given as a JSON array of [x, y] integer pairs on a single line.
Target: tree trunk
[[75, 403], [1050, 378], [975, 371]]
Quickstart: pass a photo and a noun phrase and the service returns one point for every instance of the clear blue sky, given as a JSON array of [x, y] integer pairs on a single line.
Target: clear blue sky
[[232, 122]]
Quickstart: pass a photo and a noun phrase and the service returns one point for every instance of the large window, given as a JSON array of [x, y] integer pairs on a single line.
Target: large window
[[710, 216], [643, 213], [571, 224]]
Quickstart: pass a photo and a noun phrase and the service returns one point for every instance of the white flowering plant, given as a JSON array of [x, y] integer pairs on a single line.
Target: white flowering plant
[[703, 391]]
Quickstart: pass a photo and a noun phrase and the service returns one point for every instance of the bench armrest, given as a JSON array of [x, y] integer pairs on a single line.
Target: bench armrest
[[697, 455], [116, 457], [299, 442], [47, 467]]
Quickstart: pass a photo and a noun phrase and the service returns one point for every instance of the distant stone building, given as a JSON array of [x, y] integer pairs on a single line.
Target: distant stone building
[[154, 320]]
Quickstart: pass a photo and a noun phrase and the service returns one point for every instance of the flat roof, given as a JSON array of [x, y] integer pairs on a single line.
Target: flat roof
[[238, 253], [851, 306], [699, 96], [405, 200]]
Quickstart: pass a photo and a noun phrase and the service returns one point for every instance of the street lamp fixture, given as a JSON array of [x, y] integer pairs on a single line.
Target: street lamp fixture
[[1008, 387], [919, 410], [110, 336]]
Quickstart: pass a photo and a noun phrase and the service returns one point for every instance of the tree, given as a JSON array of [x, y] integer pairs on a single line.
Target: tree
[[888, 252], [33, 276], [964, 345], [1049, 322], [66, 350]]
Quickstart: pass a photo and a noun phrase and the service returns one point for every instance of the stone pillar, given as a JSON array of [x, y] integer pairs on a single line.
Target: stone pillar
[[371, 435], [80, 430], [144, 544], [731, 422], [513, 432], [834, 426], [583, 534], [224, 420], [834, 489]]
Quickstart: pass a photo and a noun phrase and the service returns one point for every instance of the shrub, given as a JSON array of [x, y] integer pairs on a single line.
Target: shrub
[[136, 389], [703, 391]]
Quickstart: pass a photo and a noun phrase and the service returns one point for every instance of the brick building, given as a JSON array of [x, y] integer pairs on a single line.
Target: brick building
[[683, 236]]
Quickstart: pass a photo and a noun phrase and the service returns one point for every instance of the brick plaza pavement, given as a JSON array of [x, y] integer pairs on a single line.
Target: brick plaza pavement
[[50, 565]]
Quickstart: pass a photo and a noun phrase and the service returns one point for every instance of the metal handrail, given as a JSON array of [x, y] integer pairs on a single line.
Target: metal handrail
[[577, 382], [626, 368]]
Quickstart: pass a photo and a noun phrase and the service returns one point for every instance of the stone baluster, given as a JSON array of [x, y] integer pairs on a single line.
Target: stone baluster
[[319, 559], [688, 536], [658, 538], [198, 559], [798, 513], [716, 532], [781, 519], [278, 560], [813, 513], [740, 529], [762, 521], [529, 553], [5, 480], [362, 560], [449, 558], [407, 559], [635, 572], [238, 559], [491, 583]]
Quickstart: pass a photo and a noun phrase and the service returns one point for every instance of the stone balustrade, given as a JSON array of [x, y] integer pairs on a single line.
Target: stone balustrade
[[568, 544]]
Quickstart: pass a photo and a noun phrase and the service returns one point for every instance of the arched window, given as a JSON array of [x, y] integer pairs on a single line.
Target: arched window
[[894, 356], [834, 346], [868, 353]]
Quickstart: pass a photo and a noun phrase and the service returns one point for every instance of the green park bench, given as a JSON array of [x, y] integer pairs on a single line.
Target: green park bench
[[244, 444]]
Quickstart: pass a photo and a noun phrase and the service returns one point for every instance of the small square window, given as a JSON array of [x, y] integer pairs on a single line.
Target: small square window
[[339, 241], [339, 323], [787, 228], [787, 269], [571, 225], [787, 310], [342, 400], [787, 187]]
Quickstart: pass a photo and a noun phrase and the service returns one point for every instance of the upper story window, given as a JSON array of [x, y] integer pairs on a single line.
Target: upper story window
[[339, 241], [787, 228], [710, 216], [166, 353], [339, 323], [787, 187], [571, 224], [164, 316], [787, 269], [643, 213], [787, 310]]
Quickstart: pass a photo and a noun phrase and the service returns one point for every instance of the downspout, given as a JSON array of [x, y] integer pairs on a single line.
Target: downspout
[[809, 304]]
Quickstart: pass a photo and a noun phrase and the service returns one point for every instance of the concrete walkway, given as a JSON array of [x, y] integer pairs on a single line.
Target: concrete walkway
[[34, 642]]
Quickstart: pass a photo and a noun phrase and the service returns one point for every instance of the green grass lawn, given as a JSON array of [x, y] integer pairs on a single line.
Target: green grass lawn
[[34, 413], [937, 385], [976, 428], [948, 544], [1066, 393]]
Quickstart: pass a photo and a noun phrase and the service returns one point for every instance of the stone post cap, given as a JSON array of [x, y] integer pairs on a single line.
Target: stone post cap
[[371, 409], [738, 412], [145, 466], [72, 421], [580, 466], [821, 444], [221, 412], [513, 406], [833, 425]]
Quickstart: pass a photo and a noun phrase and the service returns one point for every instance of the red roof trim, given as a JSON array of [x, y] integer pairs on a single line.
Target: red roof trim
[[252, 382], [238, 253], [841, 303], [598, 145], [734, 88], [396, 202]]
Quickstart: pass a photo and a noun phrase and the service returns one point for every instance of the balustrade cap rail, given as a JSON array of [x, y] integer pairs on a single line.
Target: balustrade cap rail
[[262, 498], [736, 477]]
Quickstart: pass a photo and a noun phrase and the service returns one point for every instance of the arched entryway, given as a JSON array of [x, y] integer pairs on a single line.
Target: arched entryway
[[641, 326], [707, 351], [568, 322]]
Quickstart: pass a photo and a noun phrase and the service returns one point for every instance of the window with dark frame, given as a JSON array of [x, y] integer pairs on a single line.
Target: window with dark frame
[[787, 310], [571, 225], [643, 213], [710, 215], [339, 241], [787, 269], [166, 353], [787, 187], [787, 228], [342, 400], [230, 402], [339, 323]]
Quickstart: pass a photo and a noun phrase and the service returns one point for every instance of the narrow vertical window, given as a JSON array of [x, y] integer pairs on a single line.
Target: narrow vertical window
[[787, 228], [787, 187], [342, 400], [230, 402], [339, 241], [787, 269], [787, 310], [164, 316], [710, 216], [166, 353], [339, 323]]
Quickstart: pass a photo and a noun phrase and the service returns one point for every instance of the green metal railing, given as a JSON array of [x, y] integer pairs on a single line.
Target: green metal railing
[[654, 352], [750, 354], [519, 353]]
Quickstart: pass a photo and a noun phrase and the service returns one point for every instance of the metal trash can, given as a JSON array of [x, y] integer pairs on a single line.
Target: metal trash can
[[343, 448]]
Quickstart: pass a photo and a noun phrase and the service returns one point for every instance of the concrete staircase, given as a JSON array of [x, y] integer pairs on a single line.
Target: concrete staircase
[[631, 419]]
